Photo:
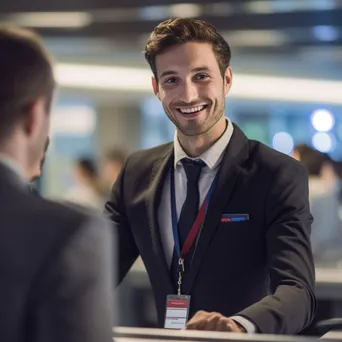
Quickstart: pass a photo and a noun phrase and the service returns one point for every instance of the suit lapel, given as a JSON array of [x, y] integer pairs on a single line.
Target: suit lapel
[[157, 180], [236, 153]]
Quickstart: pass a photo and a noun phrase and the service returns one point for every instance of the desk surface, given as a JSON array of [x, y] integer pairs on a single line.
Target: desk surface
[[210, 336], [333, 335]]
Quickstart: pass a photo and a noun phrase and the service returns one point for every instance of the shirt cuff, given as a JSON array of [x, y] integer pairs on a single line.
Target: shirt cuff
[[246, 324]]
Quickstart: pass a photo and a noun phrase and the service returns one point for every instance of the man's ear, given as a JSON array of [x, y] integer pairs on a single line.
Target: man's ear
[[34, 116], [228, 80], [155, 87]]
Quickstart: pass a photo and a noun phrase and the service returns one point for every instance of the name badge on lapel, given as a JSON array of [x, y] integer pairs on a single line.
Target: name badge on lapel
[[177, 311], [234, 217]]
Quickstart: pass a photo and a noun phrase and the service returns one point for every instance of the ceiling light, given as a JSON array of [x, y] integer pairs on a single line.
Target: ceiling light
[[322, 120]]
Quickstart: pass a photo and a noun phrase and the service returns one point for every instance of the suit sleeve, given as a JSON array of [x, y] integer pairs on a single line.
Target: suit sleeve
[[116, 212], [77, 301], [291, 305]]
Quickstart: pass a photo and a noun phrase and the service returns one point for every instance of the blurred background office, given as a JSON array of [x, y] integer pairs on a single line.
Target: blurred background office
[[287, 93]]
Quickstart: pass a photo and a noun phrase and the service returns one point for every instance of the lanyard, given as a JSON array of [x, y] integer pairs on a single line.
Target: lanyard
[[194, 229]]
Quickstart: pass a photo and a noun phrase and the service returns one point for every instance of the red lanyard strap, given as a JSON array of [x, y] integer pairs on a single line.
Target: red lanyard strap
[[194, 231], [196, 225]]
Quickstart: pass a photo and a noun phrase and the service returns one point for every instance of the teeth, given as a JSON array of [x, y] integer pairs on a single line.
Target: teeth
[[191, 110]]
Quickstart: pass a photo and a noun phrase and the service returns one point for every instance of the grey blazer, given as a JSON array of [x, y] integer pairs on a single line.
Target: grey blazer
[[56, 272]]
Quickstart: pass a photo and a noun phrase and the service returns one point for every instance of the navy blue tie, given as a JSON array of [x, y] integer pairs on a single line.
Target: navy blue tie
[[190, 207]]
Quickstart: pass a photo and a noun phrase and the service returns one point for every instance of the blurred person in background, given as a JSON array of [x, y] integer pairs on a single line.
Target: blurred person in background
[[55, 262], [87, 190], [324, 192], [338, 171], [112, 164], [320, 166], [250, 269]]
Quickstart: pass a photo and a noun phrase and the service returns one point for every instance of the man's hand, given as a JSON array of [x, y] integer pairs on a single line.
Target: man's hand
[[213, 321]]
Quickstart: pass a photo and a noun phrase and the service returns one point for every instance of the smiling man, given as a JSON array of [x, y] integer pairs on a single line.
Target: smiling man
[[222, 222]]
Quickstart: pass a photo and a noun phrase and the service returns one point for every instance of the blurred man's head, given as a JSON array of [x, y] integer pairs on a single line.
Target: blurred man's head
[[313, 160], [85, 170], [113, 163], [26, 92]]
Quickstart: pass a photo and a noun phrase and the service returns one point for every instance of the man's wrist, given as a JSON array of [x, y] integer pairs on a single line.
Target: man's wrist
[[247, 326]]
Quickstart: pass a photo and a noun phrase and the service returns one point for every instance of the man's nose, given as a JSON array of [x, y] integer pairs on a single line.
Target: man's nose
[[188, 93]]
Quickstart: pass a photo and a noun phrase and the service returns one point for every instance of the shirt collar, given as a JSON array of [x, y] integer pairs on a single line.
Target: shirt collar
[[211, 157], [14, 166]]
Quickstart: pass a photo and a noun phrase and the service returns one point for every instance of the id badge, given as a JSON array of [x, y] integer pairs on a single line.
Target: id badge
[[177, 311]]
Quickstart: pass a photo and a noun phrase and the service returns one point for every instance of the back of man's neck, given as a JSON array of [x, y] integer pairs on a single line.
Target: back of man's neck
[[10, 162]]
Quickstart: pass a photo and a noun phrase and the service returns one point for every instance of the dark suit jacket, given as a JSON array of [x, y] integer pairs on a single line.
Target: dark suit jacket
[[261, 269], [55, 269]]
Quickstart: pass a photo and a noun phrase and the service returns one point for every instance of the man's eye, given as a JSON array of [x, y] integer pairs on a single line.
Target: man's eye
[[201, 76], [171, 80]]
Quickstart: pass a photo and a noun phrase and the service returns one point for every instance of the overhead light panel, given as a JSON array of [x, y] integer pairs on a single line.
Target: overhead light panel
[[103, 77], [185, 10], [249, 38], [244, 86], [286, 89], [52, 19]]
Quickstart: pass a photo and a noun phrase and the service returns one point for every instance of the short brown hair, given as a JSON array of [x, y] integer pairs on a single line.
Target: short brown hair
[[116, 155], [182, 30], [26, 73]]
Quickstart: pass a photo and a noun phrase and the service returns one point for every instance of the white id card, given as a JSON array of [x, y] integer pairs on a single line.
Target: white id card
[[177, 311]]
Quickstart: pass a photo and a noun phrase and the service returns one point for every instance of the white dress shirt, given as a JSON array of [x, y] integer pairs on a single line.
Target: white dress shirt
[[212, 159]]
